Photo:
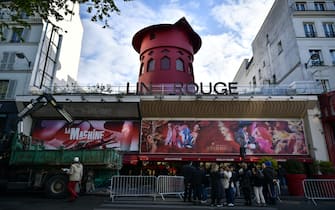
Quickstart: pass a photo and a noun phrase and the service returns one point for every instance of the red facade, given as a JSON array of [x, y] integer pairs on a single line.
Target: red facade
[[327, 107]]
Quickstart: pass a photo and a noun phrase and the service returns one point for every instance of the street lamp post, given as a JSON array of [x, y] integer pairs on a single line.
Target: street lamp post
[[23, 56]]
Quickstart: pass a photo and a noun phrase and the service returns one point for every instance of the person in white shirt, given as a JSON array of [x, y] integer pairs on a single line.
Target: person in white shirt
[[75, 175]]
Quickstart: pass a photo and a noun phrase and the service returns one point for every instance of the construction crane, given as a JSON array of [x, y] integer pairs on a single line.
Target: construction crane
[[42, 101]]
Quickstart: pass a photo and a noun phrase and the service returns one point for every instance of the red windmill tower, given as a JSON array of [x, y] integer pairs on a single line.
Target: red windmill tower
[[166, 56]]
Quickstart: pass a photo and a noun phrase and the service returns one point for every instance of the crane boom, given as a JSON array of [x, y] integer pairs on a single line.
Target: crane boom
[[42, 101]]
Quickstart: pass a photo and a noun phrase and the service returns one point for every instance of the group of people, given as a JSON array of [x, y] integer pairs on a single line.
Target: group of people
[[225, 182]]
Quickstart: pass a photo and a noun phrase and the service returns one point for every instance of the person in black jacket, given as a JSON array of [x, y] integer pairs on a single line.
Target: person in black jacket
[[197, 181], [258, 183], [188, 172], [245, 183], [269, 188], [216, 186]]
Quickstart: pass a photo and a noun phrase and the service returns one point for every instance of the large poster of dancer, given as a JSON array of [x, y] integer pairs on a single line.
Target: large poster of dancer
[[86, 134], [268, 137]]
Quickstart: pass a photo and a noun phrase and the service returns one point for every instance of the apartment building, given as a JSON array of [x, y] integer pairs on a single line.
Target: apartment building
[[35, 58], [295, 46]]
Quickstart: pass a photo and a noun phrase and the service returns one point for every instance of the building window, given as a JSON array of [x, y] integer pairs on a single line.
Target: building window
[[3, 88], [142, 69], [315, 57], [165, 51], [254, 81], [280, 47], [152, 36], [190, 68], [300, 6], [329, 29], [324, 84], [274, 79], [7, 89], [151, 65], [332, 55], [7, 61], [4, 34], [18, 35], [319, 6], [165, 63], [179, 65], [259, 74], [180, 52], [309, 30]]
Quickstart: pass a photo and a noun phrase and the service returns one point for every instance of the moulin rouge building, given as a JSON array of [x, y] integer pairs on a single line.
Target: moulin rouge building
[[167, 117]]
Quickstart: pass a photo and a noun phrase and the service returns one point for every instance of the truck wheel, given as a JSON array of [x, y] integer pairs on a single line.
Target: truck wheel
[[56, 186]]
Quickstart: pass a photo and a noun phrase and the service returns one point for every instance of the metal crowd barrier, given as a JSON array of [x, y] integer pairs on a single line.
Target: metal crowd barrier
[[319, 189], [170, 185], [146, 186]]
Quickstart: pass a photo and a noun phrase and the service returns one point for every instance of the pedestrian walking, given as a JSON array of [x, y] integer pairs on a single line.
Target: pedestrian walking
[[258, 182], [75, 175]]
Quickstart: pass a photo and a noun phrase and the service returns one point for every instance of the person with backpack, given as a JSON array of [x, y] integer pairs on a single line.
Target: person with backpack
[[258, 182]]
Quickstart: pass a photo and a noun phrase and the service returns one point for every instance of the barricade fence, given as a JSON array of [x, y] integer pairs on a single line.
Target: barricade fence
[[170, 185], [319, 189], [151, 186]]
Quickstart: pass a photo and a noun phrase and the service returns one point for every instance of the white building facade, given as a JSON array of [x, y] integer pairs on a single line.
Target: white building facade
[[295, 46], [35, 58], [295, 49]]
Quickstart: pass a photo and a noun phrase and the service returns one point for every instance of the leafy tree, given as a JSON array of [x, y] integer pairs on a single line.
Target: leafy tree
[[100, 10]]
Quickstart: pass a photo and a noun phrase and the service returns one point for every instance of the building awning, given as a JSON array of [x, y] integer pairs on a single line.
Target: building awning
[[227, 107], [133, 158], [87, 107], [211, 106]]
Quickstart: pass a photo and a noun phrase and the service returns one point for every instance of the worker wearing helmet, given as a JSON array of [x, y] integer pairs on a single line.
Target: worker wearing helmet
[[75, 175]]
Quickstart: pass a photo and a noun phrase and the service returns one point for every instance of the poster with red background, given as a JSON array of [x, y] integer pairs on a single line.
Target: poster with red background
[[86, 134], [263, 137]]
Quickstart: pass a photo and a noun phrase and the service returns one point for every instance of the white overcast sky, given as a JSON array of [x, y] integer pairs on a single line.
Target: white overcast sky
[[226, 27]]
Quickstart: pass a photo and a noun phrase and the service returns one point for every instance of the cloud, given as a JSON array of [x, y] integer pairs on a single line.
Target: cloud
[[243, 17], [226, 31], [218, 58]]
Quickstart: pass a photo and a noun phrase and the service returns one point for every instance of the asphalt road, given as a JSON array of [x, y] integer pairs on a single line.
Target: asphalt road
[[37, 201]]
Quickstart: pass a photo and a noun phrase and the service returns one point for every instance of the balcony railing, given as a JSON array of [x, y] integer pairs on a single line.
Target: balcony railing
[[298, 88]]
